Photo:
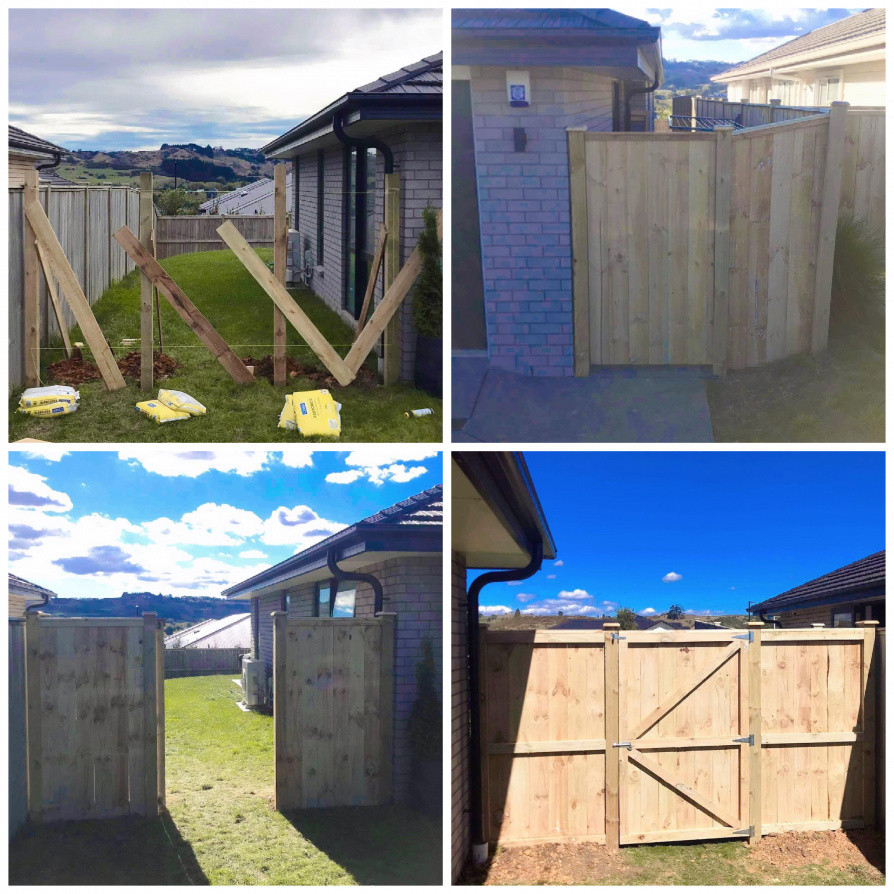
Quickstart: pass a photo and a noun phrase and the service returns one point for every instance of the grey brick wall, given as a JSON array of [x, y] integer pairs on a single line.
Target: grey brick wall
[[459, 720], [524, 208], [418, 158], [413, 591]]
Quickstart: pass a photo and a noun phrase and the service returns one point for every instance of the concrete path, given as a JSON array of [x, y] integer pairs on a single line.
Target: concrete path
[[616, 405]]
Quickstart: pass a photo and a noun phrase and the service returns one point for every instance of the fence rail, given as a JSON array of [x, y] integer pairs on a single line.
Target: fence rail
[[333, 691], [686, 110], [95, 717], [177, 235], [623, 738], [202, 662], [84, 218]]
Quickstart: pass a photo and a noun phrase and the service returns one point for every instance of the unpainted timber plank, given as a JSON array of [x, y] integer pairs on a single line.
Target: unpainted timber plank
[[612, 735], [54, 298], [723, 184], [577, 172], [147, 348], [392, 329], [284, 301], [150, 711], [187, 311], [379, 253], [31, 284], [280, 249]]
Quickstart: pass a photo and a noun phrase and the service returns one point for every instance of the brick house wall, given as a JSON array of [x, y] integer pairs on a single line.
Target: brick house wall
[[412, 589], [418, 158], [820, 614], [460, 842]]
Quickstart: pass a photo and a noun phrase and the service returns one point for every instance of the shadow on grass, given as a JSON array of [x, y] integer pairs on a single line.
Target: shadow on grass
[[871, 844], [376, 845], [123, 851]]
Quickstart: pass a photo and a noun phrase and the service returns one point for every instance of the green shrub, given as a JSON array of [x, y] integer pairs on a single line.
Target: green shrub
[[425, 715], [858, 283], [626, 618], [428, 294]]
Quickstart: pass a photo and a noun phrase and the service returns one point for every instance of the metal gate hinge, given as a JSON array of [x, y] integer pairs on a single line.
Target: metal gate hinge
[[749, 636], [745, 740], [626, 745], [749, 832]]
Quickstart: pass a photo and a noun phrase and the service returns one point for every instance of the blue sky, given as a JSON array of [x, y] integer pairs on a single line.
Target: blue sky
[[191, 522], [706, 530]]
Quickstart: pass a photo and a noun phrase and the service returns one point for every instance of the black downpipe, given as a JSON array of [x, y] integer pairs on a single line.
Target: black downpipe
[[367, 142], [57, 157], [489, 577], [636, 92], [341, 575]]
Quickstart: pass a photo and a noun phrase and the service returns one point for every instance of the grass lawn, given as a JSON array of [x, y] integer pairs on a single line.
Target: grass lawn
[[840, 396], [221, 828], [236, 306], [808, 858]]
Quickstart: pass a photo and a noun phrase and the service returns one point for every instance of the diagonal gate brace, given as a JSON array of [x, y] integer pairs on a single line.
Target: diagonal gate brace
[[189, 313]]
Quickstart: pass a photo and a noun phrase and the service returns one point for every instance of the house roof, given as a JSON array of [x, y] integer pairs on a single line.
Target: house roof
[[412, 525], [49, 177], [601, 20], [234, 201], [599, 623], [414, 91], [27, 588], [862, 24], [234, 631], [21, 139], [860, 577]]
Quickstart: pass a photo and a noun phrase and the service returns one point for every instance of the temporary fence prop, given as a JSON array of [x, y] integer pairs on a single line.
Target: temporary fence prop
[[147, 355], [46, 239], [284, 301], [54, 297], [379, 253], [280, 249], [188, 312]]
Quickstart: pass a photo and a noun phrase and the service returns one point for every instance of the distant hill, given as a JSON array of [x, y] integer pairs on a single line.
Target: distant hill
[[693, 75], [194, 165], [132, 605], [544, 622]]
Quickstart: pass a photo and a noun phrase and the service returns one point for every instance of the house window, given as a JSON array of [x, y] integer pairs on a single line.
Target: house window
[[296, 169], [844, 617], [321, 166], [786, 91], [359, 224], [323, 602], [828, 90], [343, 607]]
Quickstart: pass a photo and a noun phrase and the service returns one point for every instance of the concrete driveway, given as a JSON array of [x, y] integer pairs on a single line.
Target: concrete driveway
[[614, 404]]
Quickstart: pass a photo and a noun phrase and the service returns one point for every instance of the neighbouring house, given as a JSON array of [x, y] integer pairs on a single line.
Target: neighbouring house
[[27, 151], [401, 546], [255, 198], [598, 624], [24, 595], [339, 157], [232, 632], [520, 78], [854, 592], [842, 61], [498, 523]]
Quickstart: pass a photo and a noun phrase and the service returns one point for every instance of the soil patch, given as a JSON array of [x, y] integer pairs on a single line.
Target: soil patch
[[548, 864], [840, 850], [74, 370], [295, 369]]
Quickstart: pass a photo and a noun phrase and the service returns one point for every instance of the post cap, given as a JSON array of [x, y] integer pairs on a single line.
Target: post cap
[[755, 624], [867, 624], [611, 625]]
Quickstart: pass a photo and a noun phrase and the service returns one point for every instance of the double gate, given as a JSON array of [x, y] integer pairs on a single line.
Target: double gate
[[629, 737]]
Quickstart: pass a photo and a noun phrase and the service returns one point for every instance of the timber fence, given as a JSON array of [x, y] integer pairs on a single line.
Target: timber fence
[[84, 219], [181, 234], [715, 248], [628, 737], [18, 734], [197, 662]]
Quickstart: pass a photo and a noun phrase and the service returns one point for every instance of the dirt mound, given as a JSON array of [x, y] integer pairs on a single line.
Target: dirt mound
[[834, 849], [295, 368], [75, 370]]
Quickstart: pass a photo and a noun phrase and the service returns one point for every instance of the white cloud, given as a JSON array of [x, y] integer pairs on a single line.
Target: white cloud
[[251, 554], [348, 477], [495, 610], [553, 606], [192, 463], [297, 457], [525, 597], [575, 594], [648, 611], [299, 527], [378, 465], [514, 583], [28, 490], [551, 576], [672, 577], [701, 611], [558, 563], [51, 453], [210, 524]]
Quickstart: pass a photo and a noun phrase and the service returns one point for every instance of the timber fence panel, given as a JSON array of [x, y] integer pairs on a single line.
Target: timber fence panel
[[180, 234], [18, 732], [709, 735], [92, 718], [333, 696], [200, 662], [863, 167]]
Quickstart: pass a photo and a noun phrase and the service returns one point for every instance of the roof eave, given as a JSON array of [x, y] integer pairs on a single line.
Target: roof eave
[[849, 595]]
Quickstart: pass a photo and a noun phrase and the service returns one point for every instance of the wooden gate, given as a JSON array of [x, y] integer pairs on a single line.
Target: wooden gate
[[95, 690], [628, 737], [333, 682]]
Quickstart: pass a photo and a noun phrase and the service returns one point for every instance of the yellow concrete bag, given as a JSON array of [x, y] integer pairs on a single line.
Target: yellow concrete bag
[[287, 416], [52, 394], [59, 408], [158, 412], [181, 401], [316, 413]]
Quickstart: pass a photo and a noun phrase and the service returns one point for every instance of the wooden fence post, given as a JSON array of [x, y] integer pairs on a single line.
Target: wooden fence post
[[386, 710], [754, 729], [150, 715], [392, 348], [31, 285], [867, 712], [580, 254], [160, 693], [280, 248], [280, 721], [723, 189], [147, 352], [33, 716], [612, 735], [825, 257]]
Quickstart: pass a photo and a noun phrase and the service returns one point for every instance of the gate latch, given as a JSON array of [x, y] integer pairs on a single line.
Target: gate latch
[[616, 636], [747, 636], [745, 740], [626, 745]]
